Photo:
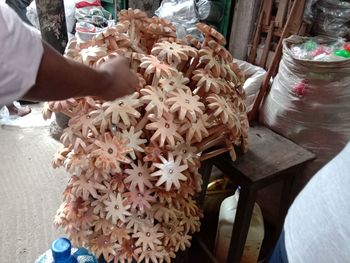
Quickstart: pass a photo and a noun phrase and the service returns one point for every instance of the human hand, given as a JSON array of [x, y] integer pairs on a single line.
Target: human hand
[[121, 79]]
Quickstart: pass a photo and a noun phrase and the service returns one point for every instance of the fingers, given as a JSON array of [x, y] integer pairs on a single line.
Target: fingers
[[124, 81]]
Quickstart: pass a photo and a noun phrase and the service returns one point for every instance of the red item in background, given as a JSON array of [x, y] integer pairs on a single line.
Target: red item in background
[[347, 46], [85, 4], [320, 50], [85, 27], [299, 89]]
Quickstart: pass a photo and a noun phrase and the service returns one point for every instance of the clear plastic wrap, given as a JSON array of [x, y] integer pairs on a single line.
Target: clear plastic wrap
[[330, 17], [309, 104], [254, 78], [210, 11], [309, 13], [183, 14], [321, 49], [92, 12]]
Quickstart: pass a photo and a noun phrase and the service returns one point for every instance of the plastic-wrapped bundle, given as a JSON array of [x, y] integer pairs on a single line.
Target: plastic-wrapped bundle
[[254, 78], [92, 12], [309, 104], [183, 14], [210, 11], [330, 17]]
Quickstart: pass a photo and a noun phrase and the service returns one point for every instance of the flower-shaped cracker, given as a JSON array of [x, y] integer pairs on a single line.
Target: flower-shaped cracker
[[92, 54], [196, 130], [148, 237], [109, 152], [222, 109], [103, 245], [175, 82], [140, 201], [134, 141], [185, 104], [210, 32], [206, 81], [152, 65], [163, 213], [212, 62], [165, 130], [84, 187], [138, 176], [172, 53], [154, 97], [124, 109], [170, 172], [116, 208], [172, 232], [161, 26], [127, 252], [60, 157]]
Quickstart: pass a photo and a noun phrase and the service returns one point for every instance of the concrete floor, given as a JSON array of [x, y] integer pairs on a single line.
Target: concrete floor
[[30, 189]]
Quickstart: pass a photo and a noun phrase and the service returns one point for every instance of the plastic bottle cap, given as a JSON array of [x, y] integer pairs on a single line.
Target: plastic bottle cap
[[342, 53], [61, 249]]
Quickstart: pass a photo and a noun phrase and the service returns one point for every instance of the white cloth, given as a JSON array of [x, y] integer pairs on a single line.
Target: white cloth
[[21, 51], [317, 227]]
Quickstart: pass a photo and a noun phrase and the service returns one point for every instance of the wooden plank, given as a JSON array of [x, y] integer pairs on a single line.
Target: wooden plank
[[208, 254], [267, 9], [268, 155], [241, 224], [267, 46], [53, 23], [256, 40], [290, 5], [281, 13], [242, 26], [277, 32], [263, 23], [148, 6], [297, 18], [304, 29], [205, 171]]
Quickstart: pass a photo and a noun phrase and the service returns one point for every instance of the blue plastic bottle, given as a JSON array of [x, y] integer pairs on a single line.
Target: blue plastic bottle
[[62, 252]]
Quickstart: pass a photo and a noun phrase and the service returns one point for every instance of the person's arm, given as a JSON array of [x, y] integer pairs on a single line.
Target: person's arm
[[59, 78], [33, 70]]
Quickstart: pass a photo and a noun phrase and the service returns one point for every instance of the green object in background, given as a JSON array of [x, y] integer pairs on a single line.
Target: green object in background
[[123, 4], [109, 5], [224, 25], [310, 45], [342, 53], [213, 17]]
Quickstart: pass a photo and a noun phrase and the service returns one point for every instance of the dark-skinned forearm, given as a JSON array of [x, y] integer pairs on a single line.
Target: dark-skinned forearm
[[59, 78]]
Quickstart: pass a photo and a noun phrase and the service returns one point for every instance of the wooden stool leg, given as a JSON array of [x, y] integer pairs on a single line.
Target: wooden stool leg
[[205, 171], [242, 222], [210, 257], [285, 202]]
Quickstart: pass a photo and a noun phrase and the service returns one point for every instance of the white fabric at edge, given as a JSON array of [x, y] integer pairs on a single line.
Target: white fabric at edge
[[21, 51], [317, 227]]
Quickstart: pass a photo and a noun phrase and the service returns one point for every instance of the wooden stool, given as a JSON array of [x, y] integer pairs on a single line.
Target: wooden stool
[[271, 158]]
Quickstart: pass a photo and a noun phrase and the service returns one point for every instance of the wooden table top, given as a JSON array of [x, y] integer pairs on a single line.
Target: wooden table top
[[268, 156]]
